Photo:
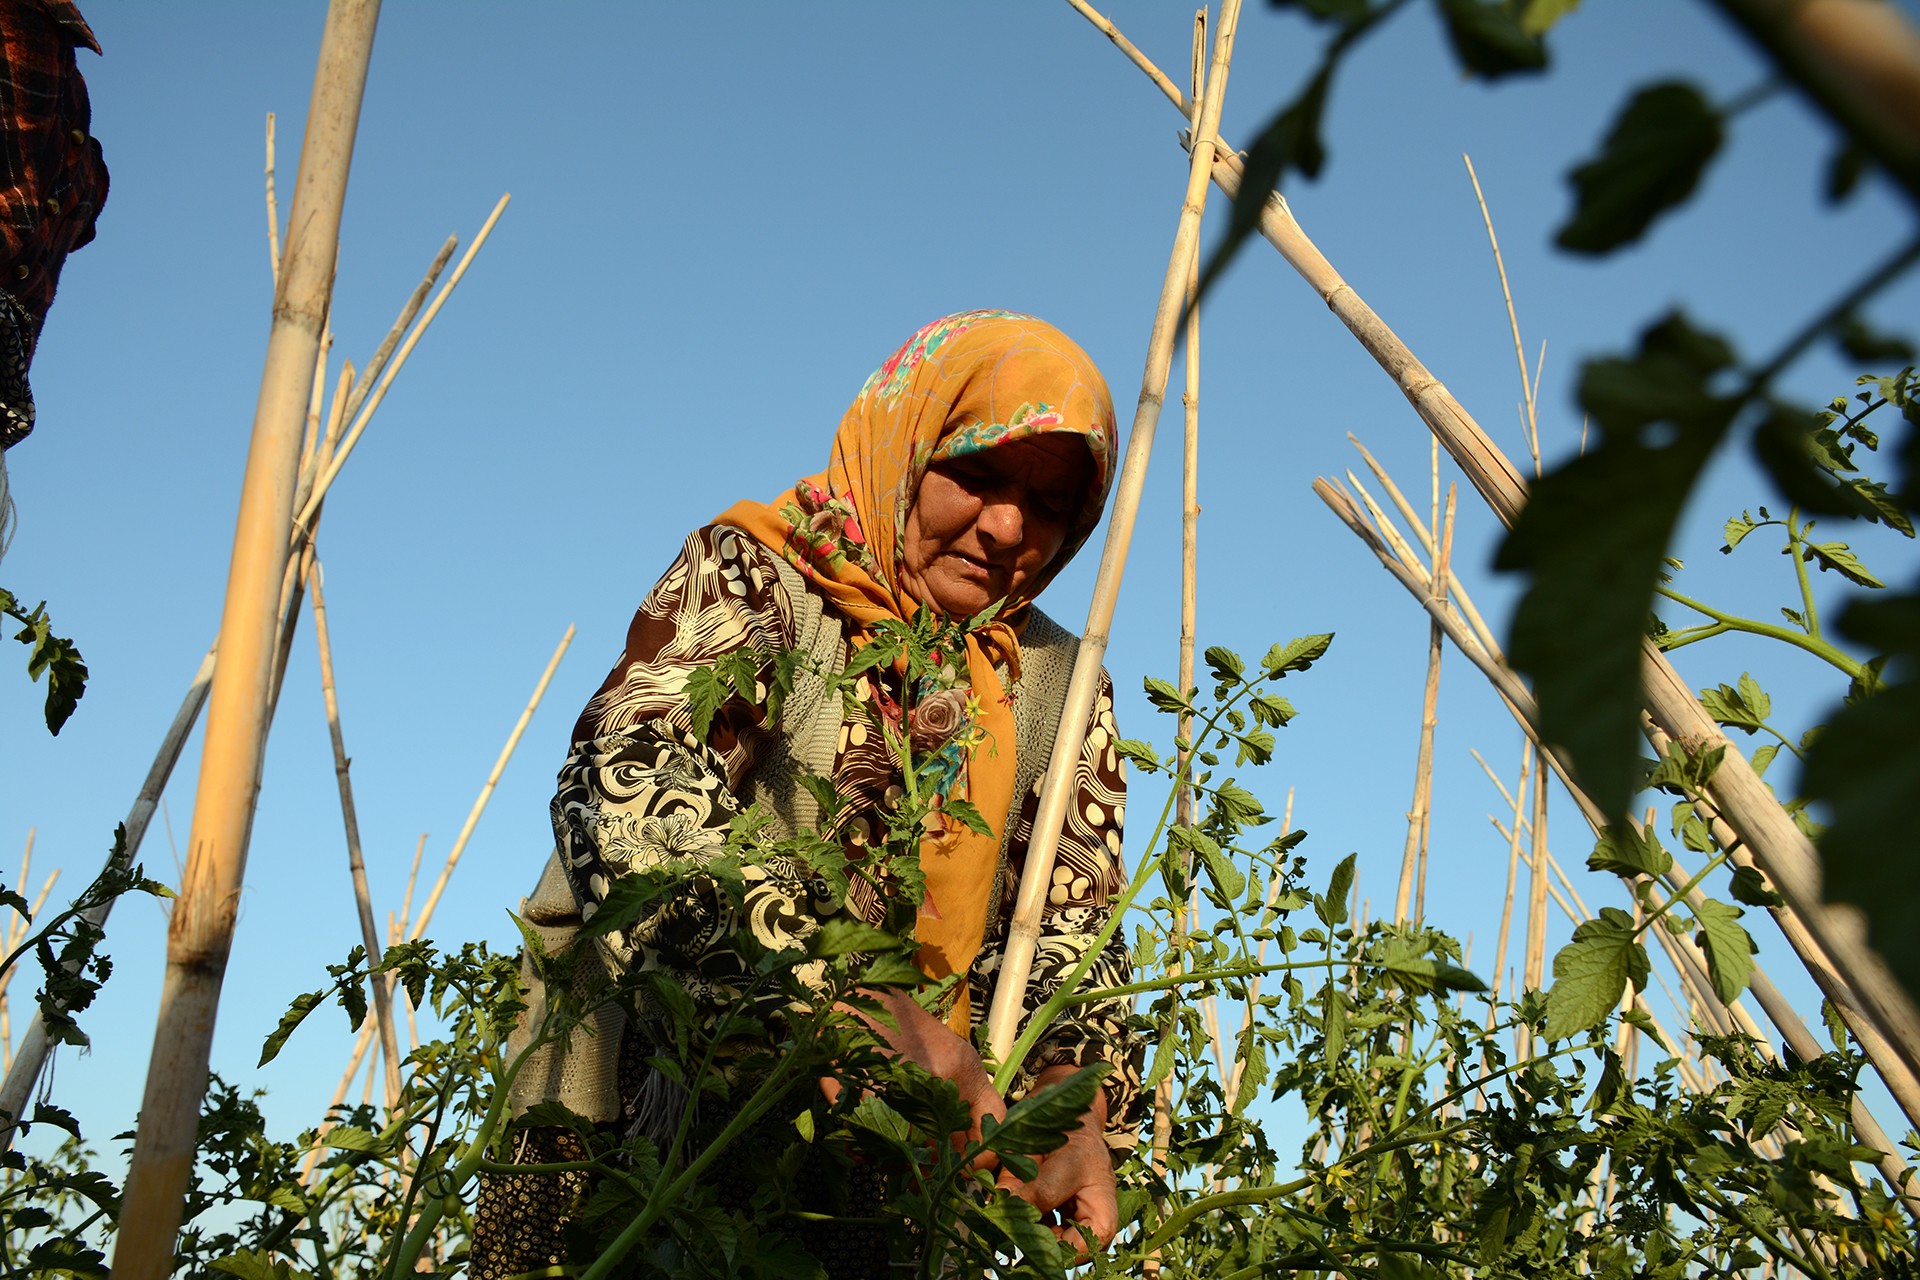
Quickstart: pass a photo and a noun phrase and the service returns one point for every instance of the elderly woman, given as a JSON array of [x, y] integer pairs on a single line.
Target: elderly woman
[[969, 469]]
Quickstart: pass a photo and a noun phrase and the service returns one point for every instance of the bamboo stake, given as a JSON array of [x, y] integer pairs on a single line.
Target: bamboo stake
[[399, 362], [1779, 848], [486, 791], [201, 930], [1189, 608], [1537, 891], [356, 864], [1530, 418], [15, 934], [1024, 928], [273, 211], [1456, 589], [300, 560], [1513, 873], [1413, 861]]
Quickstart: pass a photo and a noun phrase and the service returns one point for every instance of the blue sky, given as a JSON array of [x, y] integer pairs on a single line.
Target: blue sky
[[723, 218]]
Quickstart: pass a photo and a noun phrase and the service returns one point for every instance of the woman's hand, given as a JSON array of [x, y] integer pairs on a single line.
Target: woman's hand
[[931, 1044], [1076, 1180]]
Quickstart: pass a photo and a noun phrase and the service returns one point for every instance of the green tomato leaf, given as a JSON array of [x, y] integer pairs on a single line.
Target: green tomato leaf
[[1839, 557], [1728, 946], [1590, 974], [1537, 17], [1627, 849], [1591, 540], [1332, 908], [1296, 655], [1493, 38], [1225, 664], [1750, 887], [303, 1004], [1040, 1122], [1653, 157]]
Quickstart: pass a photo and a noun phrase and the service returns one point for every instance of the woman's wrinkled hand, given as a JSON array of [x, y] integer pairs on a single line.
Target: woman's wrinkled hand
[[1074, 1188], [933, 1046]]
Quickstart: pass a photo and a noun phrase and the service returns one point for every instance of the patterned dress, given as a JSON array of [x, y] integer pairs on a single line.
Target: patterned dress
[[639, 790]]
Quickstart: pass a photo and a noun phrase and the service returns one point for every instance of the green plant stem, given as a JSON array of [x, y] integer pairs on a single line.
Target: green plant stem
[[1796, 551], [1732, 622], [669, 1193], [1193, 1209], [1770, 1239], [416, 1240], [1681, 639], [1681, 894], [1197, 976]]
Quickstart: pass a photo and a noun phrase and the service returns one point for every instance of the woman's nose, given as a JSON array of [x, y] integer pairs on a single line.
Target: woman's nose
[[1001, 522]]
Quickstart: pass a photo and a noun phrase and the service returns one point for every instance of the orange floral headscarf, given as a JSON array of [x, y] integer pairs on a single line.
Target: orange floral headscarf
[[961, 385]]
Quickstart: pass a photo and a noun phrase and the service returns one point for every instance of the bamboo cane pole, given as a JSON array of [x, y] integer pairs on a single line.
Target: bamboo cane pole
[[356, 863], [1189, 608], [1024, 927], [1456, 589], [201, 929], [1513, 874], [399, 362], [1413, 861], [16, 933], [273, 210], [1779, 848], [1529, 391]]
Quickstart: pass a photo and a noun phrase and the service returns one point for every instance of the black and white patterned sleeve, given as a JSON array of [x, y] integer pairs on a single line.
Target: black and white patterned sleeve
[[639, 791]]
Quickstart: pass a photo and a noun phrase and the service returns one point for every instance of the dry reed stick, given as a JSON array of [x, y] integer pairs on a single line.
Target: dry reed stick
[[273, 211], [1513, 873], [200, 933], [1537, 890], [1781, 851], [293, 581], [399, 362], [16, 933], [1162, 1132], [1456, 589], [1413, 861], [356, 863], [1530, 418], [1023, 931]]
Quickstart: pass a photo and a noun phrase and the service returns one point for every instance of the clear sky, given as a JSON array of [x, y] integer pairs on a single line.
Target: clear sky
[[723, 218]]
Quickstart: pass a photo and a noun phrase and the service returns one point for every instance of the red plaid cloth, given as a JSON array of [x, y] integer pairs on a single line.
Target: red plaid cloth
[[52, 181]]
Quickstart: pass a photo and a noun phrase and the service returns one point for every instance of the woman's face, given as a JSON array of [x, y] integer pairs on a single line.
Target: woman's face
[[983, 527]]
